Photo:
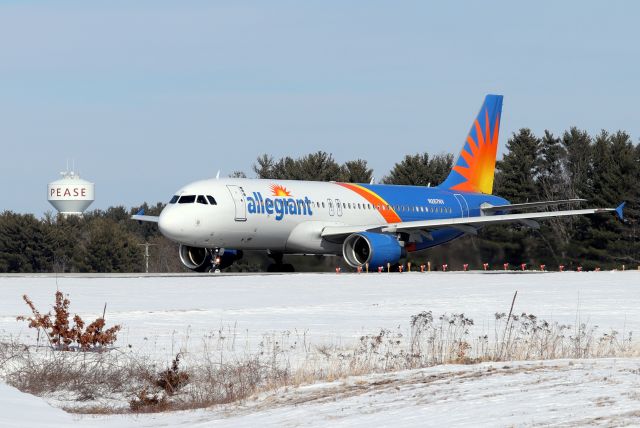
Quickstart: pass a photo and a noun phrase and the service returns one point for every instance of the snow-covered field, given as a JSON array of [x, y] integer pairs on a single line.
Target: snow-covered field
[[564, 393], [163, 315]]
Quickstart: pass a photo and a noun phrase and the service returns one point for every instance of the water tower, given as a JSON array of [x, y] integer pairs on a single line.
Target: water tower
[[70, 195]]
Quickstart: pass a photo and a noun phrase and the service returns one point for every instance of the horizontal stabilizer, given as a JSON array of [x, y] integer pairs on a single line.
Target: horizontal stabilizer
[[529, 205]]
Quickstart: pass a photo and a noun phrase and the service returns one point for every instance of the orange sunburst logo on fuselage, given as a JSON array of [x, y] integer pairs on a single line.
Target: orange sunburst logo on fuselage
[[278, 190], [481, 161]]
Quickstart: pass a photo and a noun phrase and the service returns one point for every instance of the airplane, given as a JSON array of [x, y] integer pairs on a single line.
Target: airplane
[[369, 225]]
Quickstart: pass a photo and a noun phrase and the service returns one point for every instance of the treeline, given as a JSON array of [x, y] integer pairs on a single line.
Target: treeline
[[418, 170], [99, 241], [604, 169]]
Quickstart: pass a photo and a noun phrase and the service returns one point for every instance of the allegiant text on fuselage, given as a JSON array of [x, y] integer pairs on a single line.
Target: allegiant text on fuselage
[[280, 206]]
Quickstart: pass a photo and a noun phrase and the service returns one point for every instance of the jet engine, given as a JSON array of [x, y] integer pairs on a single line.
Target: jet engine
[[200, 259], [376, 249]]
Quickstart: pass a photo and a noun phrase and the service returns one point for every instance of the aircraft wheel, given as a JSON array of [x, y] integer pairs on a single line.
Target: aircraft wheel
[[288, 268]]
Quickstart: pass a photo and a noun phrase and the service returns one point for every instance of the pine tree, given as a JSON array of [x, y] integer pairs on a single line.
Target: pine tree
[[551, 184], [577, 144], [356, 171], [420, 170], [515, 181], [608, 242], [264, 166]]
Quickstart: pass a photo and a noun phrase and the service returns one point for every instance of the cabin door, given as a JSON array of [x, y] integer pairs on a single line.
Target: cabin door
[[240, 200]]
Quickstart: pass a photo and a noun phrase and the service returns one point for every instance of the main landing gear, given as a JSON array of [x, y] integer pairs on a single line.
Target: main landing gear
[[277, 265]]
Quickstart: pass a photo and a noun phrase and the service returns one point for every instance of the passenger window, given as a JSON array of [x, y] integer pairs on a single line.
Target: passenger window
[[187, 199], [201, 200], [211, 200], [174, 199]]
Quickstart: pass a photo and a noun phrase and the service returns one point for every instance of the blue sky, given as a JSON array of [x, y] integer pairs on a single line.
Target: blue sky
[[149, 95]]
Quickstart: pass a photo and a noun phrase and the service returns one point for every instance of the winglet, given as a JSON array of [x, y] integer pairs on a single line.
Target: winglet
[[141, 212], [619, 210]]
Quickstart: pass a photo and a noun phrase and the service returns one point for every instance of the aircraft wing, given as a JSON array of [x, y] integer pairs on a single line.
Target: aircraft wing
[[529, 205], [464, 224], [151, 218], [141, 217]]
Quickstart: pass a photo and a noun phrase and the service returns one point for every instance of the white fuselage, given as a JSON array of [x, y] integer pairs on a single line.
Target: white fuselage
[[247, 215], [289, 216]]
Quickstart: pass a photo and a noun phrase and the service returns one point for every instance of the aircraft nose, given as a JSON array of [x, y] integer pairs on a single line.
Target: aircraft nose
[[170, 225]]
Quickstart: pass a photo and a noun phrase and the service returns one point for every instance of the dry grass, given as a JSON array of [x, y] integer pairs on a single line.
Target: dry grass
[[123, 382]]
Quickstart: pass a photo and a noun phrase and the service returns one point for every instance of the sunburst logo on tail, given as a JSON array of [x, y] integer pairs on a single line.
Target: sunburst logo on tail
[[474, 170], [480, 157], [278, 190]]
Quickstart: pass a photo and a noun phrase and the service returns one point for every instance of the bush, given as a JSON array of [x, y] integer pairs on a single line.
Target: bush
[[62, 335]]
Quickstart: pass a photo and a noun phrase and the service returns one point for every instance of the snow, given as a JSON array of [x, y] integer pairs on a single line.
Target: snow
[[602, 392], [19, 410], [162, 315]]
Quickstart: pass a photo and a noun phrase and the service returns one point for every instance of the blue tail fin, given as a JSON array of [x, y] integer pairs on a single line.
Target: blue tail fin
[[474, 169]]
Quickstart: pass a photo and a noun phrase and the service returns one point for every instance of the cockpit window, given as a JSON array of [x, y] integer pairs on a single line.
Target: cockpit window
[[187, 199], [211, 200], [201, 200], [174, 199]]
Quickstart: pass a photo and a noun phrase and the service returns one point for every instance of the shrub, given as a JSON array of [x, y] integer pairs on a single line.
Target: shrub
[[64, 336], [173, 378]]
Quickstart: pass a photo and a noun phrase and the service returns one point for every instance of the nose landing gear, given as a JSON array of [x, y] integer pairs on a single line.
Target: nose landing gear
[[214, 256]]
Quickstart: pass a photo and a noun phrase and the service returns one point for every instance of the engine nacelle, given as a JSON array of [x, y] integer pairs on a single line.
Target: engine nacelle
[[199, 259], [377, 249]]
